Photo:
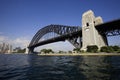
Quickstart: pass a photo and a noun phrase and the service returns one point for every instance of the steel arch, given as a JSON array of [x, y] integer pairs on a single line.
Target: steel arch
[[58, 29]]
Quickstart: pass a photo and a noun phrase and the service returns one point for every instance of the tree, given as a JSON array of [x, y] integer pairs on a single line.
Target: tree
[[115, 48], [69, 51], [44, 51], [61, 52], [50, 50], [104, 49], [47, 51], [118, 51], [21, 50], [76, 49], [109, 49], [92, 48]]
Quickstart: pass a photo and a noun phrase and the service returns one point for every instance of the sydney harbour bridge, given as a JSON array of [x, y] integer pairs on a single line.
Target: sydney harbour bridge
[[92, 32]]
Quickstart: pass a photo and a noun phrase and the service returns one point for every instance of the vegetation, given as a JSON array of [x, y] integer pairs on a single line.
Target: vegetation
[[77, 50], [110, 49], [107, 49], [21, 51], [92, 48], [116, 48], [118, 51], [61, 52], [69, 51], [47, 51]]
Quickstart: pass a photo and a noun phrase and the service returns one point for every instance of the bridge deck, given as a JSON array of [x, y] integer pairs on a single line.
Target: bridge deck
[[108, 26]]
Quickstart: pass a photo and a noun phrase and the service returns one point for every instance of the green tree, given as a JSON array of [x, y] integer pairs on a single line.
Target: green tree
[[21, 50], [47, 51], [110, 49], [118, 51], [115, 48], [107, 49], [69, 51], [104, 49], [92, 48], [76, 49], [61, 52], [44, 51], [50, 50]]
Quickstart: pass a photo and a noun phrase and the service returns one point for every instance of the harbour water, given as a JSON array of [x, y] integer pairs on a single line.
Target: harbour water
[[36, 67]]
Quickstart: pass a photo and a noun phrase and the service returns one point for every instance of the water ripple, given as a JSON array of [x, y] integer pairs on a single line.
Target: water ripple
[[33, 67]]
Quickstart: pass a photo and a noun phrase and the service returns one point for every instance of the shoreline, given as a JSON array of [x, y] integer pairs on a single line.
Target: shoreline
[[82, 54]]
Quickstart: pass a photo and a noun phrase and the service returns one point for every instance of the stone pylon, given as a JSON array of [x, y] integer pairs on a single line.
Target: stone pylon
[[90, 36]]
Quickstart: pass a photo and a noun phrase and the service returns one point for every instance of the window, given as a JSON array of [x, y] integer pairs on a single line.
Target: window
[[87, 24]]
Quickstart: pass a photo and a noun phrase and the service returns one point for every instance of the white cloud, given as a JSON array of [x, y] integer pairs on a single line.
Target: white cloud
[[2, 38], [22, 42], [18, 42]]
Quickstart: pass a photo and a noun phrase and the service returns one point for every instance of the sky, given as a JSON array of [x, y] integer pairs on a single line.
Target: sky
[[21, 19]]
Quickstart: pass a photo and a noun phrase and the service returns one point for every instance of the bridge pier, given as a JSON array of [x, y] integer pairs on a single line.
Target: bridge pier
[[31, 50], [90, 35]]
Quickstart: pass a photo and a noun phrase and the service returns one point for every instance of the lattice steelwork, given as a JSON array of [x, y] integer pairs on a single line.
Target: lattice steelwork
[[48, 36], [109, 28], [113, 33], [60, 30]]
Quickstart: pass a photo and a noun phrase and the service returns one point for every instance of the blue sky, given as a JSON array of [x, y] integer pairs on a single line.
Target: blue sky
[[21, 19]]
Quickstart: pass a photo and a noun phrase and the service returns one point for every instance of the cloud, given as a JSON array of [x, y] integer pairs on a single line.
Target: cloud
[[17, 42], [21, 41], [2, 38]]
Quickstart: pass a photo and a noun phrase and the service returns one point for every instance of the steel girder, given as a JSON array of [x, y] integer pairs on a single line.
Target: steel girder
[[111, 28], [58, 29], [113, 33]]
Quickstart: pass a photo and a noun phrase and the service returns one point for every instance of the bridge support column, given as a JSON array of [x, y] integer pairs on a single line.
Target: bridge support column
[[90, 35], [31, 50]]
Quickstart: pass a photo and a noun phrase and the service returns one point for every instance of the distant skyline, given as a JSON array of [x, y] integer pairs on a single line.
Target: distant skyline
[[21, 19]]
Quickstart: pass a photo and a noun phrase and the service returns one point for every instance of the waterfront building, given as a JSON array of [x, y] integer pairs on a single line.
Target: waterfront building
[[5, 48]]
